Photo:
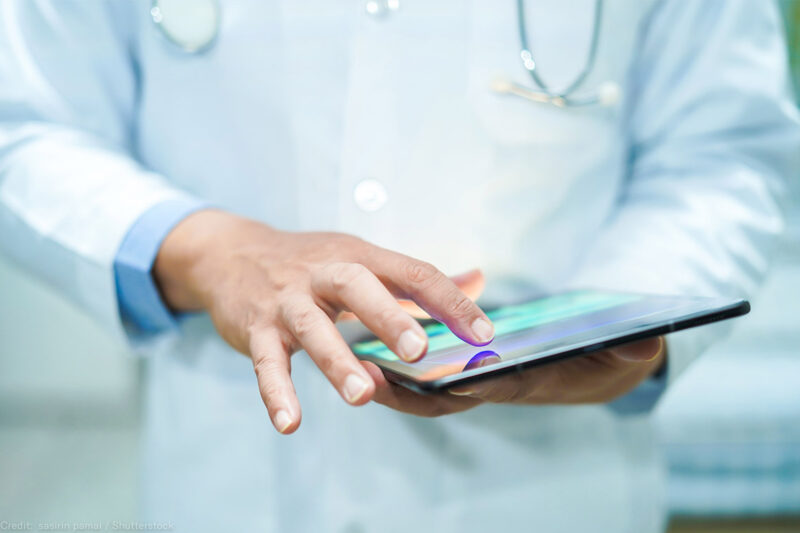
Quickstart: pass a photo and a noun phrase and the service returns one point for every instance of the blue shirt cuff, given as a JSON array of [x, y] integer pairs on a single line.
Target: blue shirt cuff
[[644, 397], [139, 300]]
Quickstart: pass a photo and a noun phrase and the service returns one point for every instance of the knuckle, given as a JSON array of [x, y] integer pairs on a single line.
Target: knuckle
[[459, 304], [420, 272], [304, 322], [268, 380], [270, 393], [326, 365], [257, 319], [264, 369], [386, 316], [342, 275], [332, 365]]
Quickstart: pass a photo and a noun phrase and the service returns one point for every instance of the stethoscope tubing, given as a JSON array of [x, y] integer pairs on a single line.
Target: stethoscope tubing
[[530, 65], [541, 92]]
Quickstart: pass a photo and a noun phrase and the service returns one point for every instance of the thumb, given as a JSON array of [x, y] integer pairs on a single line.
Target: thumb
[[471, 283], [640, 351]]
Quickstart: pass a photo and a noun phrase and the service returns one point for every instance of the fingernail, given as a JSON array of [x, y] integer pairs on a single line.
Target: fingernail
[[482, 330], [658, 352], [354, 388], [622, 353], [282, 420], [456, 392], [410, 345]]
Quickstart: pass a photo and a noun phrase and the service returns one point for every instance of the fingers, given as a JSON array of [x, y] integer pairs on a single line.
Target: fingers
[[406, 401], [434, 292], [316, 333], [596, 378], [271, 364], [510, 388], [352, 286], [471, 283]]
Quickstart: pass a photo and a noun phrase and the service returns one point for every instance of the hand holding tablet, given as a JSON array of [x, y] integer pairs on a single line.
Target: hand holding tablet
[[544, 331]]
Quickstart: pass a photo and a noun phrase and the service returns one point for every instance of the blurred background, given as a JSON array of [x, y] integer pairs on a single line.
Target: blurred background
[[730, 428]]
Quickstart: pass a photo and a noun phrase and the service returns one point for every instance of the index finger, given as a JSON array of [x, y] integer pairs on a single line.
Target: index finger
[[422, 282]]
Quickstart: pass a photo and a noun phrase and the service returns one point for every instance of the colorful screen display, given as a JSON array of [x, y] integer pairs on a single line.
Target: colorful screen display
[[537, 329]]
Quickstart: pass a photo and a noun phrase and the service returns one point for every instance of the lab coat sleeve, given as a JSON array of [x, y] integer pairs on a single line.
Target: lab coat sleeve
[[713, 136], [69, 188], [143, 310]]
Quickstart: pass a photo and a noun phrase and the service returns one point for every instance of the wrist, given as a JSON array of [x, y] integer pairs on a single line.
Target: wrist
[[184, 266]]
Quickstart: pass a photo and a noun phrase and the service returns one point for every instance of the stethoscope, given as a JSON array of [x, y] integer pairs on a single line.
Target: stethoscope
[[606, 94], [193, 26]]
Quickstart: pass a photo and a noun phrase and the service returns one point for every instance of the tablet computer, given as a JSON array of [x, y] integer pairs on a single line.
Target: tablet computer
[[543, 331]]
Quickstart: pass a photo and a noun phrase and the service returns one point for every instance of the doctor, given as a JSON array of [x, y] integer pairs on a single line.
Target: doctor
[[275, 163]]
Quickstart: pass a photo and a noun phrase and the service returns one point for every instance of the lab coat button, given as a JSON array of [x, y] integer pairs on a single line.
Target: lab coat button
[[370, 195], [381, 8]]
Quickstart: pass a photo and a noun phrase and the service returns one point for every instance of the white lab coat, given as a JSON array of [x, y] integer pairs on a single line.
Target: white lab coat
[[675, 190]]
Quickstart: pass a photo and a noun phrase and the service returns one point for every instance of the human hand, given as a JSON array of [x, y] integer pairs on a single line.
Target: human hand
[[596, 378], [270, 293]]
